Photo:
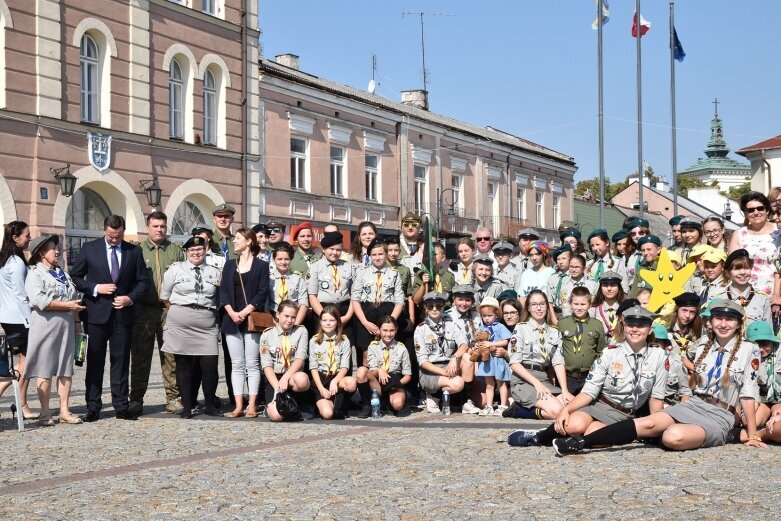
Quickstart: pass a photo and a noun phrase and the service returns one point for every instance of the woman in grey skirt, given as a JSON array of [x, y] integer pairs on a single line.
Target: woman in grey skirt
[[190, 291], [51, 344], [725, 375]]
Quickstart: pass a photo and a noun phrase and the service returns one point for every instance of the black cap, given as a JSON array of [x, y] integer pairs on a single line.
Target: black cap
[[628, 303], [330, 239], [737, 254], [194, 241], [202, 229], [687, 300], [260, 228]]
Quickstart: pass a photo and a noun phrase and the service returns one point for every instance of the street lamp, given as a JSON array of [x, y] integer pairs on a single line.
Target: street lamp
[[152, 191], [67, 180], [451, 207], [727, 212]]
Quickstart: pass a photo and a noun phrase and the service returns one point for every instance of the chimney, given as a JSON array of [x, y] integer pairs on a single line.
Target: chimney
[[288, 60], [415, 98], [662, 186]]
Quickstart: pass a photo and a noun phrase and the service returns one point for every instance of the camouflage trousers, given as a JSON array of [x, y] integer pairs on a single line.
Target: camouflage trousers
[[148, 328]]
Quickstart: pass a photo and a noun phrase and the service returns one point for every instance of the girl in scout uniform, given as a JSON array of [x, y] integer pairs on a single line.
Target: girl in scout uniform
[[495, 371], [605, 305], [755, 302], [685, 325], [483, 275], [622, 245], [283, 351], [466, 319], [603, 261], [462, 270], [390, 368], [725, 376], [536, 277], [769, 373], [330, 280], [506, 272], [678, 389], [561, 257], [376, 292], [284, 285], [329, 362], [691, 234], [575, 279], [534, 347], [440, 347], [573, 238], [714, 281], [359, 251], [621, 381]]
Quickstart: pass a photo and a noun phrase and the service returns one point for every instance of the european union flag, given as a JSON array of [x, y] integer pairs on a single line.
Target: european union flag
[[678, 53]]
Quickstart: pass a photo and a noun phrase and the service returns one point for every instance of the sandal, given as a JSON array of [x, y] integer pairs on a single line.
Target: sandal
[[46, 420], [69, 418], [251, 414], [234, 414]]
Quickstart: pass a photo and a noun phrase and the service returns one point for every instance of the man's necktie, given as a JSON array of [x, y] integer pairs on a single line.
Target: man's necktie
[[335, 277], [366, 259], [225, 247], [331, 354], [285, 350], [412, 248], [114, 264], [158, 271], [282, 289]]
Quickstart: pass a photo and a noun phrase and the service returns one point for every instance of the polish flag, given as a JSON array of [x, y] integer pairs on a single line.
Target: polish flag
[[645, 25]]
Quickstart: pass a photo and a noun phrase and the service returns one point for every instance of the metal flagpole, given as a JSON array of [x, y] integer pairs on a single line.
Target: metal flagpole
[[672, 108], [639, 108], [601, 120]]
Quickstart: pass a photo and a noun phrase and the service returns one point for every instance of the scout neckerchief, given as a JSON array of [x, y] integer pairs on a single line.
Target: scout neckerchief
[[386, 349], [600, 269], [438, 328], [772, 391], [743, 301], [282, 288], [580, 326], [286, 348], [366, 259], [681, 337], [331, 355], [335, 276], [438, 283], [60, 277], [611, 321], [378, 292], [557, 295], [715, 371], [541, 338], [635, 378], [469, 326]]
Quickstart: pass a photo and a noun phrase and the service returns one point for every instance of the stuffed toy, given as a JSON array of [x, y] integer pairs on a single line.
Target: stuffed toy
[[480, 351]]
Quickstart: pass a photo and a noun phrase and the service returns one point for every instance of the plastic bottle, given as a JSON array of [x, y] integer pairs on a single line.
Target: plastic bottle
[[446, 402], [375, 403]]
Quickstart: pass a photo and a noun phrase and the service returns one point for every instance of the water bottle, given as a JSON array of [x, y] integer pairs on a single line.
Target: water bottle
[[446, 402], [375, 405]]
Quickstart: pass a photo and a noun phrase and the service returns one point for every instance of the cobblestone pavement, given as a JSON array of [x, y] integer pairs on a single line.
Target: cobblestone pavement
[[417, 467]]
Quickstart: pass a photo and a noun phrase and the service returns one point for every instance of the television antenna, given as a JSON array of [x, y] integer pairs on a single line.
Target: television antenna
[[372, 83], [421, 14]]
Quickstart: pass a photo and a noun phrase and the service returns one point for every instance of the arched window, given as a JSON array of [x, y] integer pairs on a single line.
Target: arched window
[[175, 101], [83, 221], [187, 217], [209, 108], [90, 87]]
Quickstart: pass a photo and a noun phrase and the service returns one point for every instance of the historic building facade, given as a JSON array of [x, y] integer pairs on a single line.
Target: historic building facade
[[332, 153], [131, 94]]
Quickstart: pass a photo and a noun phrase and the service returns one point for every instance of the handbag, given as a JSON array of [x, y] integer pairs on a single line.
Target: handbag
[[257, 321], [6, 360]]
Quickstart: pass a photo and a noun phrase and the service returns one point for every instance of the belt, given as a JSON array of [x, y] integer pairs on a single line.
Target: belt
[[343, 302], [625, 410], [534, 367], [715, 401], [196, 306], [375, 305]]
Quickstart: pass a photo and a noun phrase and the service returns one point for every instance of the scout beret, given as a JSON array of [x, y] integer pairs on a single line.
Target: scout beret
[[687, 300], [306, 225], [393, 239], [714, 255], [628, 303], [653, 239], [528, 233], [433, 296], [676, 220], [490, 302], [726, 308], [507, 294], [194, 242], [689, 224], [223, 208], [482, 258], [38, 243], [610, 276], [757, 331], [502, 246], [638, 315], [463, 290], [564, 248], [260, 228], [599, 232], [570, 232], [737, 254], [634, 223], [202, 229], [620, 234], [411, 217], [330, 239]]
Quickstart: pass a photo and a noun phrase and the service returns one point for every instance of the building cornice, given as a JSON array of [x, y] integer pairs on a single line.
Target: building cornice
[[204, 17]]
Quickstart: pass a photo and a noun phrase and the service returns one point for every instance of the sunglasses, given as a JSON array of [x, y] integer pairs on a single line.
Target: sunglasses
[[755, 209], [481, 239], [275, 230], [409, 224], [435, 306], [638, 234]]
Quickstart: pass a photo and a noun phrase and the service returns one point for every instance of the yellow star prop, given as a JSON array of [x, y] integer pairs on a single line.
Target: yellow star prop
[[666, 281]]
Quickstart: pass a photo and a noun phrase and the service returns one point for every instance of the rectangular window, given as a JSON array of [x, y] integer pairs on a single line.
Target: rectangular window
[[209, 119], [372, 178], [337, 171], [556, 218], [455, 184], [520, 199], [208, 6], [420, 189], [540, 215], [297, 163], [89, 92]]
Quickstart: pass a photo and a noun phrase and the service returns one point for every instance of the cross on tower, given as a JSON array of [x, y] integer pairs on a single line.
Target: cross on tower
[[716, 105]]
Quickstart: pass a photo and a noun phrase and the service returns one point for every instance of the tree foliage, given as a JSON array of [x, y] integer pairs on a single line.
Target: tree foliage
[[736, 192], [687, 182]]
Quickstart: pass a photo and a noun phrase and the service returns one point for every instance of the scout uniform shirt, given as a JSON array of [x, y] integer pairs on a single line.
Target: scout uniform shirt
[[682, 338], [532, 343], [755, 303], [626, 378], [302, 260], [468, 324], [769, 379], [608, 315], [442, 282], [279, 349], [555, 289], [713, 289], [743, 372], [569, 285], [632, 266], [377, 286], [214, 260], [508, 275], [391, 359], [463, 274], [489, 288], [581, 341], [638, 283], [521, 263], [406, 278], [597, 266], [330, 355], [157, 260], [437, 343], [185, 284], [677, 376], [223, 245], [290, 286], [330, 282], [409, 258]]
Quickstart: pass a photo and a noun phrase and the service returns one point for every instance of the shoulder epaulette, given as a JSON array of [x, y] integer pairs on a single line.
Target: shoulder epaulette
[[268, 329]]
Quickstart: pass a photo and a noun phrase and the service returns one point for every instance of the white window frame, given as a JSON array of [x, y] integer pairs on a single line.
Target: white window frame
[[456, 183], [338, 171], [420, 196], [539, 198], [209, 7], [299, 166], [520, 201], [176, 103], [556, 203], [210, 108], [372, 178], [89, 65]]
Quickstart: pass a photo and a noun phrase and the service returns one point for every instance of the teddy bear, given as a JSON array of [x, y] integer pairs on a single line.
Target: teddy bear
[[480, 351]]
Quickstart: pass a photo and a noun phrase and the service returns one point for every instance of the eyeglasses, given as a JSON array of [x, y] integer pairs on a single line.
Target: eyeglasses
[[510, 313], [275, 230], [536, 305], [754, 209], [714, 232], [640, 233], [481, 239], [435, 306]]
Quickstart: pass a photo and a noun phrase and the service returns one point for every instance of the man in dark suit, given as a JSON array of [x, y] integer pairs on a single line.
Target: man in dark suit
[[111, 274]]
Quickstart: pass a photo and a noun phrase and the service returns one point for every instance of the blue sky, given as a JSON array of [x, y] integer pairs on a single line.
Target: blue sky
[[529, 68]]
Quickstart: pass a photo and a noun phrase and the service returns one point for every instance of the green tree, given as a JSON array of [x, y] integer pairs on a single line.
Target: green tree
[[687, 182], [736, 192], [591, 187]]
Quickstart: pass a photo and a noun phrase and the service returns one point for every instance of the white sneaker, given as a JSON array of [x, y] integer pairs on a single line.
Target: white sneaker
[[432, 404], [499, 410], [470, 408], [488, 410]]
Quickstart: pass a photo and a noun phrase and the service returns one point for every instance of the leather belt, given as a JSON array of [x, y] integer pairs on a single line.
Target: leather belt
[[577, 374], [534, 367], [715, 401], [625, 410], [196, 306]]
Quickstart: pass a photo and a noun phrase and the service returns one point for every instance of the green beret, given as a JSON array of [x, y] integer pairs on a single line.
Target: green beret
[[620, 234], [564, 248], [599, 232], [634, 223], [570, 232], [676, 220], [649, 238]]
